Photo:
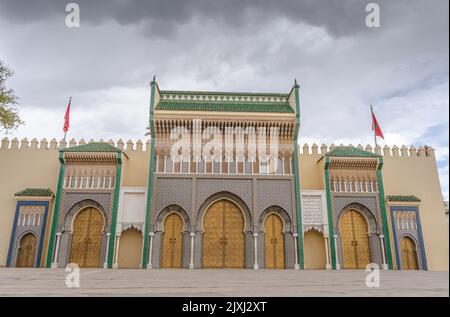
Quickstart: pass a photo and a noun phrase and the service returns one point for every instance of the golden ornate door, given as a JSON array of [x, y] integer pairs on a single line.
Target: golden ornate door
[[223, 238], [273, 242], [354, 240], [86, 238], [409, 254], [172, 242], [27, 251]]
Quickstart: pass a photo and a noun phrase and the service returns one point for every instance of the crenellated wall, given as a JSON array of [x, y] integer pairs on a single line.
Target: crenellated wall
[[35, 164], [406, 171], [24, 164]]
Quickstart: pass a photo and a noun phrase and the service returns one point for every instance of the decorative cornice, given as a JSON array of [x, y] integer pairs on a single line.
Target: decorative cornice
[[223, 96], [90, 158], [353, 163]]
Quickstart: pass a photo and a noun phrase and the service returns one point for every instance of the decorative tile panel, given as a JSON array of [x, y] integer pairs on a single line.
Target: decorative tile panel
[[312, 212]]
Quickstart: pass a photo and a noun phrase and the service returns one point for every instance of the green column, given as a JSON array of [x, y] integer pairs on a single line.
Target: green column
[[298, 204], [381, 197], [150, 178], [112, 230], [51, 242], [330, 214], [298, 207]]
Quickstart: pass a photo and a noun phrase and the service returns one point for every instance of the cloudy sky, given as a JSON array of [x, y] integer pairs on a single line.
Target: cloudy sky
[[402, 68]]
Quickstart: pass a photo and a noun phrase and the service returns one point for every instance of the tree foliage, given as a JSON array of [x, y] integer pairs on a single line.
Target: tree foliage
[[9, 115]]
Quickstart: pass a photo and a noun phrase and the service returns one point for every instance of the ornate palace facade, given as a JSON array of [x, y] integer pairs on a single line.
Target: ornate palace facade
[[116, 205]]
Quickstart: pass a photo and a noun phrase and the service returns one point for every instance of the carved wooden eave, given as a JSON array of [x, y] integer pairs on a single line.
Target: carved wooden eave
[[33, 198], [353, 163], [286, 127], [90, 158]]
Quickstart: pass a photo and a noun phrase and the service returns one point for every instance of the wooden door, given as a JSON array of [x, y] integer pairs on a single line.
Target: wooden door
[[172, 242], [223, 238], [273, 242], [87, 238], [354, 240], [233, 230], [409, 254], [27, 251]]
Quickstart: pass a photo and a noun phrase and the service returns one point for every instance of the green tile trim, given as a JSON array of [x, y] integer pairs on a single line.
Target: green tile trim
[[35, 192], [51, 243], [148, 206], [297, 110], [403, 198], [298, 207], [387, 238], [298, 203], [112, 231], [224, 106], [330, 213]]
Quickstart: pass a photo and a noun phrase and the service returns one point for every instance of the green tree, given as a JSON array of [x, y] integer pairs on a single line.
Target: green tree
[[9, 116]]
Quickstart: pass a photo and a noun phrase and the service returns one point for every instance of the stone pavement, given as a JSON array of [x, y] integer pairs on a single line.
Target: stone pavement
[[165, 282]]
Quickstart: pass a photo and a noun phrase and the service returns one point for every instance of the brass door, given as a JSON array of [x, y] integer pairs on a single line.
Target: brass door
[[172, 242], [273, 242], [223, 238], [409, 254], [354, 240], [87, 238], [27, 251]]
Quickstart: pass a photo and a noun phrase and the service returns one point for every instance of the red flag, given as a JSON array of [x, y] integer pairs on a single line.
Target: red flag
[[67, 117], [376, 127]]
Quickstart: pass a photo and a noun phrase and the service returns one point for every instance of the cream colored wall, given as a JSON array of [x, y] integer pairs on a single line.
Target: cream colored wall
[[32, 166], [418, 175], [19, 169], [135, 168], [311, 172]]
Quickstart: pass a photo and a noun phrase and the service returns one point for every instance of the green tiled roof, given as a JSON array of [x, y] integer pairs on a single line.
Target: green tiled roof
[[92, 147], [403, 198], [35, 192], [283, 107], [224, 101], [349, 151]]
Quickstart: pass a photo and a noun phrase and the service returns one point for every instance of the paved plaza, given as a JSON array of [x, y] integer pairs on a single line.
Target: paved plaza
[[165, 282]]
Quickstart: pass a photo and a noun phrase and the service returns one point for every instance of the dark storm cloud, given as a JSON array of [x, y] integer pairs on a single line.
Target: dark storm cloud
[[238, 45], [163, 17]]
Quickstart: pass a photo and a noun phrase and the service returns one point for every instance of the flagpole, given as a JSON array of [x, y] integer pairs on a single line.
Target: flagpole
[[373, 128]]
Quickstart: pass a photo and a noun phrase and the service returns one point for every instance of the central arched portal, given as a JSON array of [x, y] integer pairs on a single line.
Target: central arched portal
[[87, 238], [223, 240], [355, 241]]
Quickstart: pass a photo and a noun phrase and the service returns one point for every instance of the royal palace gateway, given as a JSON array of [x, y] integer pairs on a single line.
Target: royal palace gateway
[[221, 182]]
